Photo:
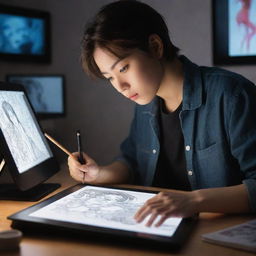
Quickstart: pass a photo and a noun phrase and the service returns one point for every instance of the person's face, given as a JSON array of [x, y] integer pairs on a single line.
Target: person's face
[[16, 31], [137, 76]]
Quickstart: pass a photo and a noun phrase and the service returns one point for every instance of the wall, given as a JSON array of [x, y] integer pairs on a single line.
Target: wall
[[94, 107]]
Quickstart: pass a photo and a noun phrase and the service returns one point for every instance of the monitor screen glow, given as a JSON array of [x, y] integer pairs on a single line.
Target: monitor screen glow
[[21, 131], [21, 35], [46, 93], [105, 207], [24, 34]]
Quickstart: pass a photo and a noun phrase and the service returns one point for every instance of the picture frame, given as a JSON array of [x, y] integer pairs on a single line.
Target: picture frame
[[24, 34], [46, 93], [234, 34]]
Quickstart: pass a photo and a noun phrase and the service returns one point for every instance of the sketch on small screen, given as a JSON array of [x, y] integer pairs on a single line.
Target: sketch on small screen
[[105, 207], [44, 93], [21, 131]]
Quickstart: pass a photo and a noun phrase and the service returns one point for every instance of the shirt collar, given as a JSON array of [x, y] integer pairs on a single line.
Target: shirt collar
[[192, 87]]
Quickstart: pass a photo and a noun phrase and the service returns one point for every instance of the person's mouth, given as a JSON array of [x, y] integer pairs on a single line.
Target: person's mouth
[[134, 96]]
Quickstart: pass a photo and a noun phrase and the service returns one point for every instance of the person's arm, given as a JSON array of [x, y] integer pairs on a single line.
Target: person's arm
[[174, 203], [233, 199], [122, 170], [115, 173], [241, 135], [92, 173]]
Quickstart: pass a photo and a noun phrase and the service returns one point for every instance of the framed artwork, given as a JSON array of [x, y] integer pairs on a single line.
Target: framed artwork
[[24, 34], [46, 93], [234, 32]]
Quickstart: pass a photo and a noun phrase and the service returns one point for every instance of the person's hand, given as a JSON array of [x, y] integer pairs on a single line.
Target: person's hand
[[85, 173], [167, 204]]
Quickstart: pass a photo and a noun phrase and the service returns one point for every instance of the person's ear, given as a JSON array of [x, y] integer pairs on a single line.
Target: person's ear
[[156, 47]]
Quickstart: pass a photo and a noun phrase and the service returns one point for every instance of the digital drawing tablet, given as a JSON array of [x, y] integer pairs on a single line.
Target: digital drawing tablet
[[103, 211], [26, 152]]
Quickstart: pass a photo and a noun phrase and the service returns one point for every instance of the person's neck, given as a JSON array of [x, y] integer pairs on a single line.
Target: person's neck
[[171, 88]]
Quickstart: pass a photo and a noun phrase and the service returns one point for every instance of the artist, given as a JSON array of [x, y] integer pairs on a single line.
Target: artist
[[194, 128]]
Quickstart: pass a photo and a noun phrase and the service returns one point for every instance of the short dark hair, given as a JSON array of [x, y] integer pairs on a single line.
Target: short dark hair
[[120, 27]]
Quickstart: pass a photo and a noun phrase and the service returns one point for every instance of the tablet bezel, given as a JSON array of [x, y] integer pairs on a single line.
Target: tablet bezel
[[23, 220]]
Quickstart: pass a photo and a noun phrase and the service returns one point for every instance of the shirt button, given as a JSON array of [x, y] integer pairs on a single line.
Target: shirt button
[[154, 151], [190, 173], [187, 148]]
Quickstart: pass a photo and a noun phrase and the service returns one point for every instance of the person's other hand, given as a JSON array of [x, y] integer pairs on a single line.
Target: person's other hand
[[167, 204], [85, 173]]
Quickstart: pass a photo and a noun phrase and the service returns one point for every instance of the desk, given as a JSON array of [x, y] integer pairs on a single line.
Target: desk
[[61, 246]]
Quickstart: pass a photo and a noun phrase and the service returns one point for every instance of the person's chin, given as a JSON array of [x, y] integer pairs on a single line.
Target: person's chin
[[143, 101]]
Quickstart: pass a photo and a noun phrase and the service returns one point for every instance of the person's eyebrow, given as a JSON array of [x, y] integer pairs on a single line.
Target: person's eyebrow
[[113, 66]]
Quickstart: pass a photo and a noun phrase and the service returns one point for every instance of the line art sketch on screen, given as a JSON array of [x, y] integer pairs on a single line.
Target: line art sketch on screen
[[104, 207], [20, 132]]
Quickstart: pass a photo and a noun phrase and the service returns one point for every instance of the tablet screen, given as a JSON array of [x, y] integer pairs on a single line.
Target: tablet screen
[[21, 131], [105, 207]]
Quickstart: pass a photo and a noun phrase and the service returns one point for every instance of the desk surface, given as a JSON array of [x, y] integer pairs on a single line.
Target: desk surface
[[61, 246]]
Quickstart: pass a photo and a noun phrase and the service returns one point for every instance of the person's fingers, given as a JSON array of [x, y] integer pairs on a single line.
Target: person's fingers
[[151, 219], [149, 203], [165, 215], [162, 220], [77, 175], [139, 212], [75, 168], [73, 160], [158, 210], [147, 209], [87, 172], [88, 159]]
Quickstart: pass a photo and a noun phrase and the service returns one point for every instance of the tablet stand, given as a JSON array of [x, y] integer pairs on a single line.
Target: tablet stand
[[11, 191]]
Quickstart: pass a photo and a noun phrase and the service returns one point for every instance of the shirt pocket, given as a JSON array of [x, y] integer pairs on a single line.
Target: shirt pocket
[[208, 151], [212, 165]]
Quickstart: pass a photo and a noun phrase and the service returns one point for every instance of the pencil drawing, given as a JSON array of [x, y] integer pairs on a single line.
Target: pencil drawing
[[114, 206], [20, 131], [104, 207]]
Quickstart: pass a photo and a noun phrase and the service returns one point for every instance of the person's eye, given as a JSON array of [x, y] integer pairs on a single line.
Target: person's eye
[[124, 69]]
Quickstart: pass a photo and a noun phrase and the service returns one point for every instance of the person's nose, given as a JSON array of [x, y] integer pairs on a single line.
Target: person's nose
[[121, 85]]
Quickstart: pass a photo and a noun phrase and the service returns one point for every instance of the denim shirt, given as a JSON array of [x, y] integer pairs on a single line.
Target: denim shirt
[[218, 121]]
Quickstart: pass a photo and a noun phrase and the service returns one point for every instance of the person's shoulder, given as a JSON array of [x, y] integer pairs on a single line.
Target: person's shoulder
[[220, 73], [224, 79], [215, 76]]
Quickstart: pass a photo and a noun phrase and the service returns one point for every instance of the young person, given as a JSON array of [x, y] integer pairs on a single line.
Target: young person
[[194, 127]]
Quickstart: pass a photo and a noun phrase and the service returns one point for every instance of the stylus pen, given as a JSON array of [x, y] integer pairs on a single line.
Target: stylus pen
[[59, 145], [80, 150], [79, 146]]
